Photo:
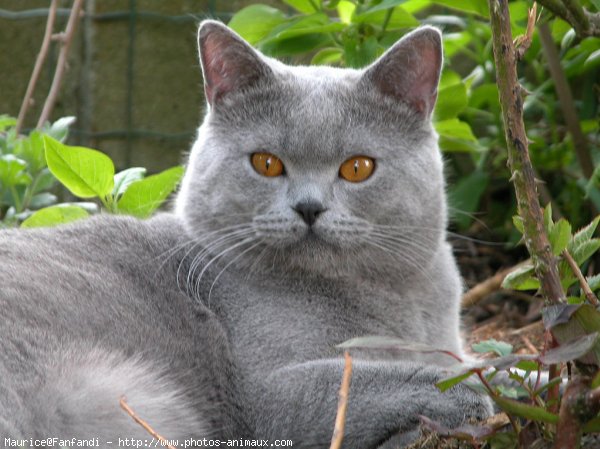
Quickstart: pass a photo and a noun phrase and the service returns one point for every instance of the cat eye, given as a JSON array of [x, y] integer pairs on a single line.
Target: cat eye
[[357, 168], [267, 164]]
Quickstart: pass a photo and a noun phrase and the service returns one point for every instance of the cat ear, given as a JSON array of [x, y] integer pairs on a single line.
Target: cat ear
[[229, 64], [410, 70]]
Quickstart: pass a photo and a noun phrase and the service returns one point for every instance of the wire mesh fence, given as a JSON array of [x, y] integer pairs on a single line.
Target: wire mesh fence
[[133, 79]]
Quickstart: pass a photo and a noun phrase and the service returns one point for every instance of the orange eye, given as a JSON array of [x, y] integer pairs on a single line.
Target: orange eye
[[357, 168], [267, 164]]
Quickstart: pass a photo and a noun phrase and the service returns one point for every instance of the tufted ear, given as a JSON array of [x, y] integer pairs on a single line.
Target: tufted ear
[[410, 70], [229, 64]]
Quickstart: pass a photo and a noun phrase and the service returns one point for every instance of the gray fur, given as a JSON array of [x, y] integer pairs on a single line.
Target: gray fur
[[221, 320]]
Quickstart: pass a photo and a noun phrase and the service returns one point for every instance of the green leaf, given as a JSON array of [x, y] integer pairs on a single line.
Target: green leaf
[[298, 26], [455, 128], [465, 196], [592, 60], [345, 11], [499, 347], [521, 278], [145, 196], [85, 172], [518, 222], [451, 101], [526, 411], [560, 236], [449, 382], [584, 234], [327, 56], [359, 54], [54, 215], [255, 22], [386, 4], [125, 178], [399, 19], [593, 282], [6, 122], [31, 150], [12, 171], [527, 365], [586, 250], [40, 200], [479, 7], [304, 6], [60, 128]]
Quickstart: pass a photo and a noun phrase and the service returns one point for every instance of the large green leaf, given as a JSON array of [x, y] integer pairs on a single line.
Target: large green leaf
[[85, 172], [54, 215], [143, 197], [451, 101], [254, 22]]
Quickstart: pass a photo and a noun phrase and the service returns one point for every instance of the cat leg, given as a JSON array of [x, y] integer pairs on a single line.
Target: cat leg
[[299, 402]]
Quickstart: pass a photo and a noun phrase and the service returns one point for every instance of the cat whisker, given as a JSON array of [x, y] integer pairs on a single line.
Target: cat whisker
[[214, 246], [217, 257], [227, 266]]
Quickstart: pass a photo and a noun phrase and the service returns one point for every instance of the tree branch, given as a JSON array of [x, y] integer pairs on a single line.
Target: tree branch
[[37, 69], [523, 177], [584, 22], [61, 63]]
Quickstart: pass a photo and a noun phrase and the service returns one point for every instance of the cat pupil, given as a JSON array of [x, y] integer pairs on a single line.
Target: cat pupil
[[356, 166], [268, 163]]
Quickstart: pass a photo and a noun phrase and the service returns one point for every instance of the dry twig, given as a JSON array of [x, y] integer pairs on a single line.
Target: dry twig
[[61, 64], [523, 42], [37, 69], [585, 287], [340, 418], [490, 285], [143, 423]]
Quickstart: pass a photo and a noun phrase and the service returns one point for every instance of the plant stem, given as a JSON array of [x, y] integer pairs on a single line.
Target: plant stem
[[589, 294], [61, 63], [15, 196], [521, 169], [37, 69], [386, 21]]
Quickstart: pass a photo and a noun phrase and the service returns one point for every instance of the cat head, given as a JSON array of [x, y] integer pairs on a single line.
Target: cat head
[[317, 169]]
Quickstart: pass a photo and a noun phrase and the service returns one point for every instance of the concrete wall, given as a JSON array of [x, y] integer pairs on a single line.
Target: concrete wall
[[133, 80]]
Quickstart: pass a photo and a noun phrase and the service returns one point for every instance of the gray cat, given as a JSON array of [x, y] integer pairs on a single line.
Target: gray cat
[[312, 212]]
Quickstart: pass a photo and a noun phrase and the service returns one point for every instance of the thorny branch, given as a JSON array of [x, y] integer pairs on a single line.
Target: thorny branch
[[523, 177]]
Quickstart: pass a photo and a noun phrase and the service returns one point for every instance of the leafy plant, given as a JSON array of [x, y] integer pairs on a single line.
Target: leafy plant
[[468, 118], [30, 167]]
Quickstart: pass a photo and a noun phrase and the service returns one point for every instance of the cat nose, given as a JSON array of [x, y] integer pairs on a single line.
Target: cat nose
[[309, 211]]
